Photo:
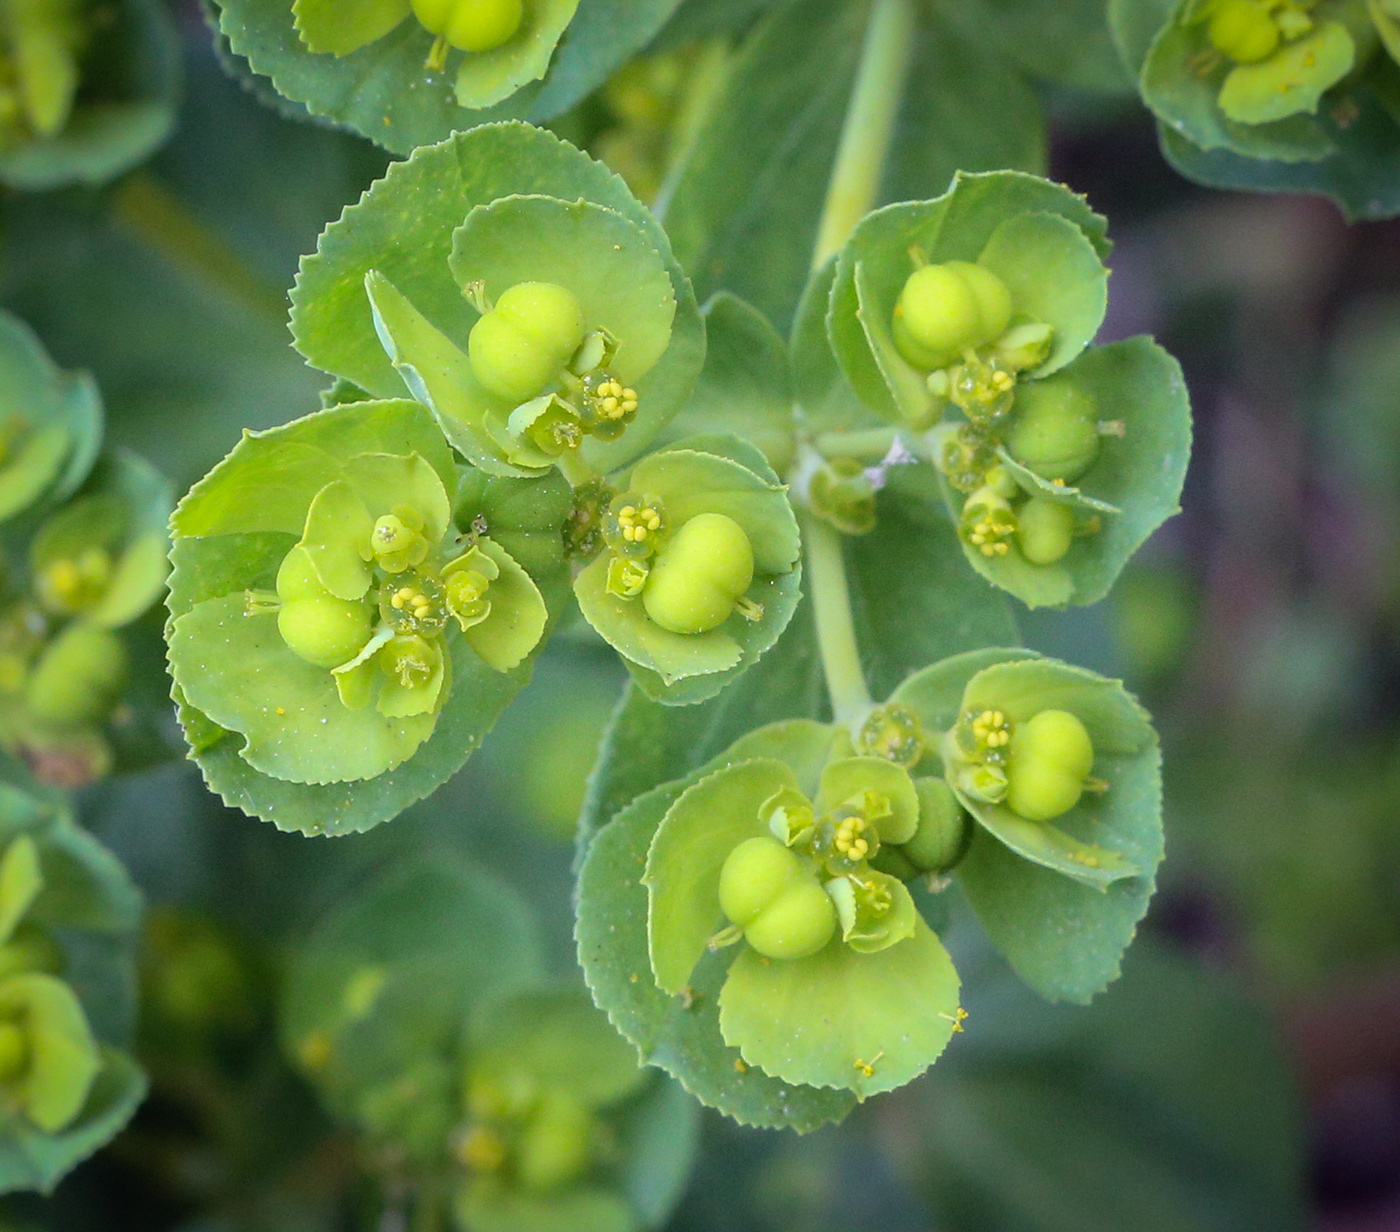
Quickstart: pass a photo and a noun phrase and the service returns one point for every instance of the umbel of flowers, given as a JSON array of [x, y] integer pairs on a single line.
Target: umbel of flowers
[[331, 643], [801, 858], [966, 320]]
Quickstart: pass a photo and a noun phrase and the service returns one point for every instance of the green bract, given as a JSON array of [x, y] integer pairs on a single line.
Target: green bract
[[419, 1011], [95, 564], [1313, 114], [68, 915], [1060, 896], [85, 92], [700, 571], [50, 422], [331, 623], [393, 306], [1029, 417]]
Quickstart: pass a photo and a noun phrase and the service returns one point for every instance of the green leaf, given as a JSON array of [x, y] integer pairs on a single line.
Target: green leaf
[[1063, 937], [1187, 103], [62, 411], [1055, 278], [382, 90], [659, 1137], [618, 277], [20, 883], [694, 839], [1292, 80], [602, 36], [558, 1039], [439, 374], [827, 401], [853, 776], [525, 516], [124, 111], [435, 190], [30, 1159], [823, 1020], [386, 980], [745, 387], [269, 480], [744, 206], [1362, 176], [338, 27], [1134, 24], [518, 616], [684, 1041], [874, 266]]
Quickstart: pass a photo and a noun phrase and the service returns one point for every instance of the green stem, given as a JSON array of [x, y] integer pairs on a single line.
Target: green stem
[[836, 630], [870, 445], [852, 191], [870, 122]]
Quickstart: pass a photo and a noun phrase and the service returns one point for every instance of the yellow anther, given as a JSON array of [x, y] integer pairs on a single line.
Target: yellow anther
[[850, 840], [627, 511], [739, 1066], [616, 400], [867, 1068], [956, 1019]]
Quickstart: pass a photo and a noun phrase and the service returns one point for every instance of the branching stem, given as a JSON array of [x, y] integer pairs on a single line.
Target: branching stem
[[852, 191]]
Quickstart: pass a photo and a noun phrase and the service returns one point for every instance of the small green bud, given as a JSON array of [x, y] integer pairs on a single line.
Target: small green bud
[[964, 454], [1054, 431], [1051, 756], [789, 817], [700, 575], [471, 25], [1244, 30], [325, 632], [465, 596], [627, 578], [398, 542], [944, 828], [1046, 530], [78, 677], [521, 346], [1023, 347], [841, 492], [769, 892], [555, 1146], [866, 907], [944, 309], [986, 783]]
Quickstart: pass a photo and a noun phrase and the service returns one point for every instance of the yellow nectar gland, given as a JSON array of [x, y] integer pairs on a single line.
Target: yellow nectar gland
[[637, 525], [481, 1149], [851, 839], [615, 400]]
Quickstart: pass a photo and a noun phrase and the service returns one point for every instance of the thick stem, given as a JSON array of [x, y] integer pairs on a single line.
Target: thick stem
[[836, 630], [870, 122], [854, 185], [868, 445]]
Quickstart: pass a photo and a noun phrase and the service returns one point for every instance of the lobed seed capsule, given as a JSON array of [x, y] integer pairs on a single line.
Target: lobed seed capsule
[[944, 309], [1045, 530], [1054, 429], [1051, 756], [699, 575], [520, 346], [767, 890], [471, 25]]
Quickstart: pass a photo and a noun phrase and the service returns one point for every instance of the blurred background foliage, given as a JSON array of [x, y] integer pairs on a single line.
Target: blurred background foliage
[[1246, 1071]]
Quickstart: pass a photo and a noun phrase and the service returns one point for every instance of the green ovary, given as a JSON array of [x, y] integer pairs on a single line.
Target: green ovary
[[1055, 430], [471, 25], [325, 632], [1051, 756], [944, 309], [1045, 530], [767, 890], [1244, 30], [521, 346], [700, 575]]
